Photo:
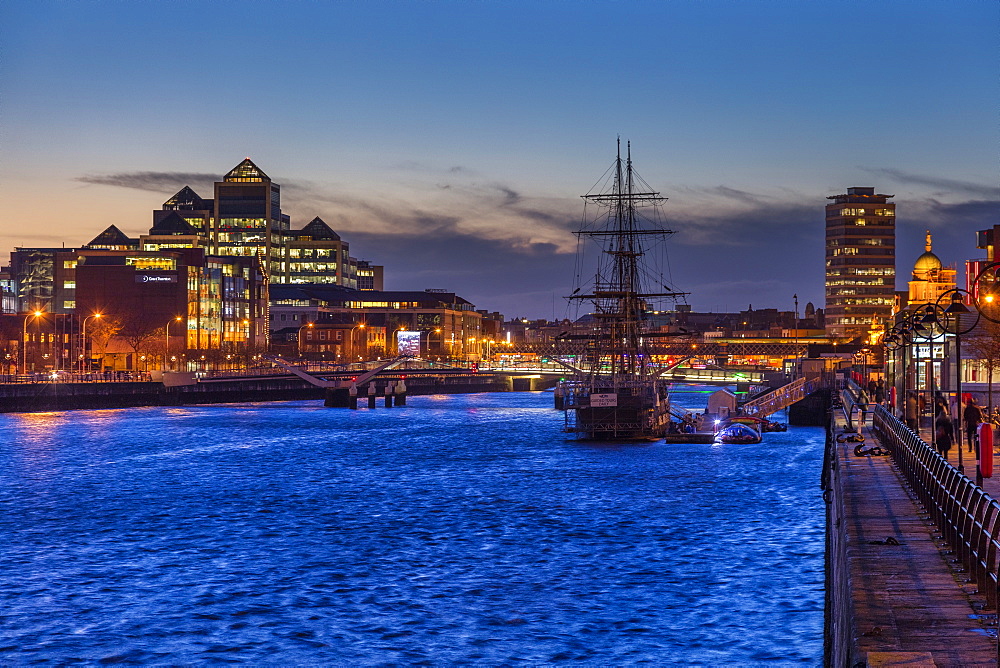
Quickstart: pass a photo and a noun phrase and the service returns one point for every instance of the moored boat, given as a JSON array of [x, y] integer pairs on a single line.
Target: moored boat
[[740, 430], [617, 392]]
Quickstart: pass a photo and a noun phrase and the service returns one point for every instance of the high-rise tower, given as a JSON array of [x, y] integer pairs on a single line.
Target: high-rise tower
[[860, 261], [248, 219]]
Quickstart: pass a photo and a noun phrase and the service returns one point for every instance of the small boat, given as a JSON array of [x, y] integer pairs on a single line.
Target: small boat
[[740, 430]]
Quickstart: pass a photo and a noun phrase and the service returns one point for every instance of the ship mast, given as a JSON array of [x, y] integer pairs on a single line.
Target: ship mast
[[619, 299]]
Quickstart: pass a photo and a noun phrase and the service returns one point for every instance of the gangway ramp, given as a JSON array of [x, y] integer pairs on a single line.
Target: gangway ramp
[[779, 398]]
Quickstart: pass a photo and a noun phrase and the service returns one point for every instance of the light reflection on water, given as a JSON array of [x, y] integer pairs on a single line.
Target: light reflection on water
[[454, 530]]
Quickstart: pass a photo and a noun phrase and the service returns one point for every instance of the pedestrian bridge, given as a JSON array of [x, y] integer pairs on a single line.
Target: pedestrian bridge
[[326, 374]]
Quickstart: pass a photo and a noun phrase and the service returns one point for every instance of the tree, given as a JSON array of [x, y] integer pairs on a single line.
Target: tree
[[100, 332], [985, 344], [136, 330]]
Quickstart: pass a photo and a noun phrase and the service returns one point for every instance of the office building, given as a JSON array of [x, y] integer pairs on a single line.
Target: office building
[[317, 254], [860, 262], [221, 303], [248, 220], [370, 276], [443, 323], [194, 209]]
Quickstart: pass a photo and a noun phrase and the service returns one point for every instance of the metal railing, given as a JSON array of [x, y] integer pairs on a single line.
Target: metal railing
[[75, 377], [780, 398], [967, 517]]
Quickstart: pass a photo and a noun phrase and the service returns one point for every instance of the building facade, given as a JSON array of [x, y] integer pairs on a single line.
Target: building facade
[[317, 254], [443, 324], [370, 276], [248, 221], [860, 262], [930, 278], [171, 308]]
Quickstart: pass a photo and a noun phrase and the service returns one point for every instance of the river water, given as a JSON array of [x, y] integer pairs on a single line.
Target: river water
[[458, 529]]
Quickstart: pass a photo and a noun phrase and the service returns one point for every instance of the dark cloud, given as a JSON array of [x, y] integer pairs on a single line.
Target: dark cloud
[[426, 168], [953, 186], [158, 182], [745, 227], [738, 195], [973, 211], [511, 196]]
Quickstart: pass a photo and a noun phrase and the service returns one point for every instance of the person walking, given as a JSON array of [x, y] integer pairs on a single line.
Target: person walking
[[911, 410], [972, 415], [944, 433], [880, 391]]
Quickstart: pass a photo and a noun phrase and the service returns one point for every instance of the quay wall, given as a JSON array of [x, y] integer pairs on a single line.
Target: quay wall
[[812, 410], [38, 397], [839, 627]]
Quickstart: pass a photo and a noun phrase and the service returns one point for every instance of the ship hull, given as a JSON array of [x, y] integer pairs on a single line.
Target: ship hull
[[622, 414]]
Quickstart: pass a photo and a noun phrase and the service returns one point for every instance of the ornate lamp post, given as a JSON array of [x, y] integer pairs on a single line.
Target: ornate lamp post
[[956, 319], [891, 342], [899, 338], [924, 319]]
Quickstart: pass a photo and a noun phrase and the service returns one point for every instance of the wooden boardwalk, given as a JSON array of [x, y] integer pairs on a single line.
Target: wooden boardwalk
[[911, 604]]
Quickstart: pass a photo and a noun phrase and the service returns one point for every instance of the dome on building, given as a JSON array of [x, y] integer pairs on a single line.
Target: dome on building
[[928, 261]]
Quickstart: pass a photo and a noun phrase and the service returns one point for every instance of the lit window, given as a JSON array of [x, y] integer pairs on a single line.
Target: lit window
[[152, 263], [69, 285]]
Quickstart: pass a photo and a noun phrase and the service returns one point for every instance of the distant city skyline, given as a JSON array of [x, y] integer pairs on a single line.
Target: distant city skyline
[[450, 142]]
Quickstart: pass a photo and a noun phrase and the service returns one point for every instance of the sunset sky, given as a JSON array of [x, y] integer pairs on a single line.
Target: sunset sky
[[450, 141]]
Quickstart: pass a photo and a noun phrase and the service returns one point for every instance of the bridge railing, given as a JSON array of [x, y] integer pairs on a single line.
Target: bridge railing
[[967, 517], [779, 398], [76, 377]]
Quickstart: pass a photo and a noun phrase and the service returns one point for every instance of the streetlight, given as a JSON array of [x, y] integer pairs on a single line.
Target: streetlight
[[24, 339], [900, 337], [246, 324], [166, 347], [84, 336], [350, 334], [437, 330], [299, 336]]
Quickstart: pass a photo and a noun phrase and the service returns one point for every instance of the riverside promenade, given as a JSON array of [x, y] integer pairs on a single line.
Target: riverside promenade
[[897, 595]]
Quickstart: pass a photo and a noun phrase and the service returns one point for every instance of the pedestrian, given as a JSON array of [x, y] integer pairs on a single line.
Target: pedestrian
[[872, 387], [911, 410], [940, 405], [972, 415], [944, 433], [880, 391]]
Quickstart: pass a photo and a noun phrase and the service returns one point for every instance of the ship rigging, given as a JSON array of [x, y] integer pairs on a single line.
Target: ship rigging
[[617, 391]]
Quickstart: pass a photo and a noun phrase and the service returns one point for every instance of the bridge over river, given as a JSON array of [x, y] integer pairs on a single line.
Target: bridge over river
[[334, 375], [279, 379]]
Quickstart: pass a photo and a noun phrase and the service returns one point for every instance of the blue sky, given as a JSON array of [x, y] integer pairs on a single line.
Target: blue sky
[[450, 141]]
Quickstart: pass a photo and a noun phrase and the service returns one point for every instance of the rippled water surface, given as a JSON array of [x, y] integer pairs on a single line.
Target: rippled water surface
[[457, 529]]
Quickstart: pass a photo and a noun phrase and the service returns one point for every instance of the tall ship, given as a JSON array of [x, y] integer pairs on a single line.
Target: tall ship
[[617, 391]]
